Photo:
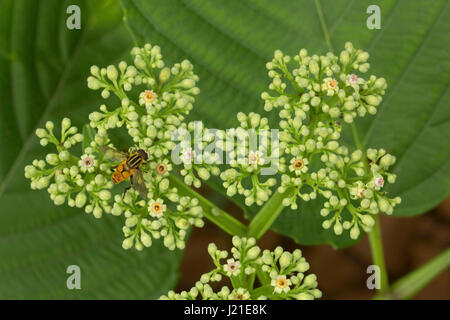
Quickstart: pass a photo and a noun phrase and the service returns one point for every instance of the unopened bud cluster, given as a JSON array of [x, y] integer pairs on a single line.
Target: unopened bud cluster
[[281, 275]]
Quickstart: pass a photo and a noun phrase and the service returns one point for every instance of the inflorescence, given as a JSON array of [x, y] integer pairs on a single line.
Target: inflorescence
[[280, 275], [163, 96], [314, 94]]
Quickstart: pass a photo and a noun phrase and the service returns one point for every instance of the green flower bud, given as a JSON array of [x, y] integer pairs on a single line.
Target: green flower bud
[[127, 243], [314, 67], [354, 232], [164, 75], [59, 200], [146, 239], [253, 253], [111, 72], [285, 260]]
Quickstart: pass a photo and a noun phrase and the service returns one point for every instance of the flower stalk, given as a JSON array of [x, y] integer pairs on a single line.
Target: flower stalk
[[376, 247], [210, 211], [267, 215]]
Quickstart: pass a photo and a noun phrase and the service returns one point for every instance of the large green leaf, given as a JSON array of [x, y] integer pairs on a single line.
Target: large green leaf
[[229, 42], [43, 70]]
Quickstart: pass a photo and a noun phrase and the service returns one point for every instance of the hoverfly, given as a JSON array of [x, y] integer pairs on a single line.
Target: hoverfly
[[129, 167]]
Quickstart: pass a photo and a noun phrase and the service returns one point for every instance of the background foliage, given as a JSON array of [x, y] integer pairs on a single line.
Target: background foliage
[[43, 70]]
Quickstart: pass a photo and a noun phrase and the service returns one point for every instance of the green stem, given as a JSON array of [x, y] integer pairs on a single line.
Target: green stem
[[323, 25], [376, 247], [267, 215], [127, 25], [409, 285], [213, 213], [356, 137]]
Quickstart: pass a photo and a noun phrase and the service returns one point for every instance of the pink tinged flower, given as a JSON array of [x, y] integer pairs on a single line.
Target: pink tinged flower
[[353, 79], [379, 182], [253, 158], [232, 266], [87, 162], [188, 155]]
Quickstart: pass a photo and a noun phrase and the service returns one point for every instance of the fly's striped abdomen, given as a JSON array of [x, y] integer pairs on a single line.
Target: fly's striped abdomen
[[123, 171], [134, 161]]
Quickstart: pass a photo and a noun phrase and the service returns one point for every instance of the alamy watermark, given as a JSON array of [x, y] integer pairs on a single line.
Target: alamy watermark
[[374, 20], [236, 146], [74, 280], [74, 20], [374, 280]]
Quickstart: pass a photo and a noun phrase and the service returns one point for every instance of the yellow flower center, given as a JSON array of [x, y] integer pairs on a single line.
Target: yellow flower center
[[149, 95], [332, 84], [282, 283], [161, 168], [298, 164], [156, 207]]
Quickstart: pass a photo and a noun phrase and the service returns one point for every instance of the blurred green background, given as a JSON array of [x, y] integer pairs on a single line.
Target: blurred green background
[[43, 71]]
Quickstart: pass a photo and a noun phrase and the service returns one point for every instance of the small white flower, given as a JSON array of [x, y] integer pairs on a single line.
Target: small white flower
[[357, 190], [147, 97], [87, 163], [156, 208], [299, 165], [239, 294], [254, 157], [379, 182], [188, 156], [331, 86], [281, 284], [232, 267], [352, 79]]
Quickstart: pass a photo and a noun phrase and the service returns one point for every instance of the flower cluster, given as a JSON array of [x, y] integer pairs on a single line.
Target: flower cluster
[[81, 181], [280, 274], [252, 150], [153, 101], [313, 94]]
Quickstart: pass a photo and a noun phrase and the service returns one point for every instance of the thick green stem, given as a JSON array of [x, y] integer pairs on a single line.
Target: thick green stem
[[267, 215], [409, 285], [213, 213], [376, 247]]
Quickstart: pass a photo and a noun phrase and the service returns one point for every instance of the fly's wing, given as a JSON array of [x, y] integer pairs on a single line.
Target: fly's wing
[[112, 154], [138, 184]]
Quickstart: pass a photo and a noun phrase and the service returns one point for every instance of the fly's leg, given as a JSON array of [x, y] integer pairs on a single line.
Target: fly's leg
[[113, 168], [128, 188]]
